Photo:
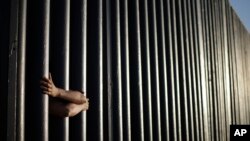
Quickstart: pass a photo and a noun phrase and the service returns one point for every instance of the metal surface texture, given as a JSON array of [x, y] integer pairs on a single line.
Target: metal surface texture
[[21, 71], [45, 40], [60, 63], [146, 73], [78, 63], [164, 70]]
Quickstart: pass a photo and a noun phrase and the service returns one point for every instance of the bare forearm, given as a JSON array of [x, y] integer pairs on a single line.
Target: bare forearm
[[61, 109], [71, 96]]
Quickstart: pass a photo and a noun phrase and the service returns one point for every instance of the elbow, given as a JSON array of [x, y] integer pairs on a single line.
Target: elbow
[[71, 110]]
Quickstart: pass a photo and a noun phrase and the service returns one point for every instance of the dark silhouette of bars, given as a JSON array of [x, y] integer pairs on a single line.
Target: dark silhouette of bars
[[154, 70]]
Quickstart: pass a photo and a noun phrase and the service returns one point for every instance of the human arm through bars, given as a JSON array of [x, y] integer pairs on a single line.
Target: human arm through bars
[[75, 100]]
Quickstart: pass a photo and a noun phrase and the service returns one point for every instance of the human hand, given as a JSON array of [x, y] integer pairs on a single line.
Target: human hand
[[86, 105], [48, 86]]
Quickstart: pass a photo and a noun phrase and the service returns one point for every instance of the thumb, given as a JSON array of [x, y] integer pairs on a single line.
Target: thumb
[[50, 77]]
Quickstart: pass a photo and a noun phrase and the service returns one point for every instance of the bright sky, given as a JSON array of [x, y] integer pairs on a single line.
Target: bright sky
[[242, 8]]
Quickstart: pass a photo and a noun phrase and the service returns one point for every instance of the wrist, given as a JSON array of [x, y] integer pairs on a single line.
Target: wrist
[[58, 92]]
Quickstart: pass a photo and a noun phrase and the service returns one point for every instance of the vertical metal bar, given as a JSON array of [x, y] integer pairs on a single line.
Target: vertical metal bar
[[184, 61], [78, 64], [95, 72], [218, 67], [137, 114], [109, 69], [233, 82], [66, 51], [237, 60], [202, 83], [173, 112], [217, 53], [220, 51], [100, 68], [45, 70], [126, 67], [12, 72], [233, 66], [231, 42], [196, 75], [188, 42], [176, 70], [84, 65], [21, 64], [12, 76], [180, 54], [118, 73], [202, 72], [239, 54], [65, 67], [147, 72], [116, 80], [236, 70], [221, 101], [246, 74], [163, 71], [192, 74], [248, 71], [139, 71], [243, 76], [155, 71], [200, 44], [214, 66], [226, 75], [37, 63], [59, 127], [84, 14], [209, 70]]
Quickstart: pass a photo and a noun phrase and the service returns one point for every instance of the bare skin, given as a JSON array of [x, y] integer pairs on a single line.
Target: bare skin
[[75, 100]]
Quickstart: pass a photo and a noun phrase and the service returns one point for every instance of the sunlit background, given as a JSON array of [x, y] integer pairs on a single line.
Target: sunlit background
[[242, 8]]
